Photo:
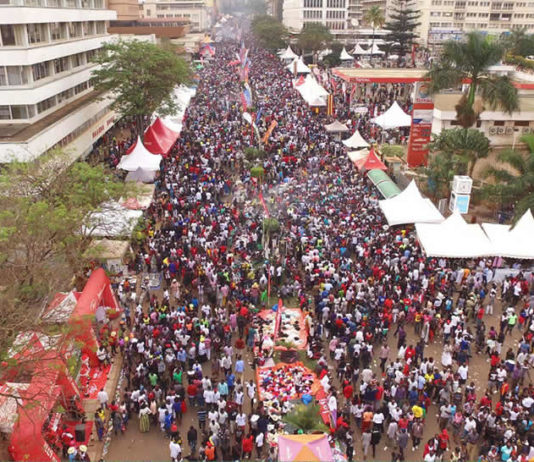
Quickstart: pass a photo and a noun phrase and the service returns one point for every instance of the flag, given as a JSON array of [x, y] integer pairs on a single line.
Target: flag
[[247, 96], [269, 131], [344, 88], [234, 62], [243, 101], [334, 85], [300, 81], [247, 117], [352, 91], [262, 200], [330, 105], [258, 116]]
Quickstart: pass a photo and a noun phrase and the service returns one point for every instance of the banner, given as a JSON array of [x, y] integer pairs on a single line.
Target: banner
[[264, 205], [330, 105], [278, 319], [421, 128], [269, 131]]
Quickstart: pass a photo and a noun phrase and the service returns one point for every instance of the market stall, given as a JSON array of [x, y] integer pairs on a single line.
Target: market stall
[[109, 254], [291, 332]]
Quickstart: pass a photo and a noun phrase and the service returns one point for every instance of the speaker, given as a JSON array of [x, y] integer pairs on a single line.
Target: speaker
[[79, 433]]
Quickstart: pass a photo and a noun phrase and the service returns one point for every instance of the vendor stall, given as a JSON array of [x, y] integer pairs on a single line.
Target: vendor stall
[[110, 254]]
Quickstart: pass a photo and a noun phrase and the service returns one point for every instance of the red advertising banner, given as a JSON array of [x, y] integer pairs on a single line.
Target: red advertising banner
[[421, 128]]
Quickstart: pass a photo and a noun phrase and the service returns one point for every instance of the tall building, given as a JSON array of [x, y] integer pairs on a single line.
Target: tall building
[[127, 10], [46, 96], [332, 13], [442, 20], [198, 12]]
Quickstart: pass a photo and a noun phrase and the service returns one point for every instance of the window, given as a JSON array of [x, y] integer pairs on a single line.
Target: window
[[36, 33], [496, 6], [100, 27], [471, 15], [61, 65], [65, 95], [46, 104], [498, 123], [507, 6], [313, 3], [335, 3], [85, 29], [519, 15], [40, 71], [74, 29], [57, 31], [81, 87], [521, 123], [77, 60], [335, 14], [472, 3], [5, 113], [484, 3], [435, 14], [8, 35], [314, 14], [19, 112], [3, 76], [436, 2], [494, 16], [483, 15], [16, 75]]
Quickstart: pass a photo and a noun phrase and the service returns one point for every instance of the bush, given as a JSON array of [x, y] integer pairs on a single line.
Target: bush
[[257, 172], [520, 61]]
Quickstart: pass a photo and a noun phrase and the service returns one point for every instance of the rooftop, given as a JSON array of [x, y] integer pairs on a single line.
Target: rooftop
[[393, 75], [447, 102]]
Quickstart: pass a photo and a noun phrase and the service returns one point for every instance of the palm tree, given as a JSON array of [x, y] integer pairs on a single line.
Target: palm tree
[[515, 184], [467, 144], [470, 60], [306, 418], [374, 16]]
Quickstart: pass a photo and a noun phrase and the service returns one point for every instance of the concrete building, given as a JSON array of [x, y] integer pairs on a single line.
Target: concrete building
[[449, 19], [332, 13], [198, 12], [127, 10], [171, 28], [46, 97]]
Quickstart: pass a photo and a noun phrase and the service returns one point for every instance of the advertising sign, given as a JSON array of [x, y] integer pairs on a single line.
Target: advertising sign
[[421, 128]]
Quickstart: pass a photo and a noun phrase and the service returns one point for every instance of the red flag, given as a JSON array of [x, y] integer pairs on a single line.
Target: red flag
[[352, 91], [262, 200], [334, 84]]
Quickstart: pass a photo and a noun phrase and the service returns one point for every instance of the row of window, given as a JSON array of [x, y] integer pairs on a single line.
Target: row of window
[[31, 34], [85, 4], [313, 14], [495, 5], [22, 75], [18, 112]]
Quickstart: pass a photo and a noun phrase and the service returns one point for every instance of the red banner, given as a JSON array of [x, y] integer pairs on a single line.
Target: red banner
[[421, 128]]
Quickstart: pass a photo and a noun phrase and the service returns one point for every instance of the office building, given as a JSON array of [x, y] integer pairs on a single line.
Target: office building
[[46, 96], [199, 13]]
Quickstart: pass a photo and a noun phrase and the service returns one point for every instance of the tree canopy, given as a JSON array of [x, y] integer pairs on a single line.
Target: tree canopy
[[514, 184], [519, 43], [269, 32], [41, 245], [141, 77], [470, 60], [314, 37], [401, 25]]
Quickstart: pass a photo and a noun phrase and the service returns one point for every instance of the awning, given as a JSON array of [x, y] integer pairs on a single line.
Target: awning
[[159, 139], [383, 183]]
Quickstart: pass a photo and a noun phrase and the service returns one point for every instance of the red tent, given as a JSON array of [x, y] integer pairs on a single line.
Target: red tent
[[50, 384], [159, 139], [370, 162], [97, 292]]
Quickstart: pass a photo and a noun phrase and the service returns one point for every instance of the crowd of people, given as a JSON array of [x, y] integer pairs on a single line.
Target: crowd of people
[[374, 304]]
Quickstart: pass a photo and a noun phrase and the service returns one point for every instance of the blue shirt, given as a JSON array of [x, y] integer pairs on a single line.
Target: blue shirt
[[240, 366]]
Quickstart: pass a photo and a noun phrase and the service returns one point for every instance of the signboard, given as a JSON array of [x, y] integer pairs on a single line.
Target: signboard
[[421, 128], [459, 202]]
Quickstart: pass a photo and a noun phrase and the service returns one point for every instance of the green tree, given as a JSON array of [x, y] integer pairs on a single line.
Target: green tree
[[332, 59], [514, 184], [467, 144], [141, 77], [306, 418], [374, 16], [269, 32], [401, 26], [519, 43], [470, 60], [314, 37], [41, 246]]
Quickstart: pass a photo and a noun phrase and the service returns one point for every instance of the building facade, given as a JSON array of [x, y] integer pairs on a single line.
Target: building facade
[[198, 12], [331, 13], [443, 20], [46, 96]]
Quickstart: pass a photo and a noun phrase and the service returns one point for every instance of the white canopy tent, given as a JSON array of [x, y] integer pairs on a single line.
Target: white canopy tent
[[113, 220], [394, 117], [356, 141], [516, 242], [358, 50], [355, 156], [288, 53], [344, 56], [375, 50], [140, 157], [301, 68], [336, 127], [172, 124], [410, 207], [312, 92], [453, 238]]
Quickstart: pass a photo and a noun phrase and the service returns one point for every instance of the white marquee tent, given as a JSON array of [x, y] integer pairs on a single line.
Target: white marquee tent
[[140, 157], [375, 50], [355, 156], [453, 238], [312, 92], [336, 127], [410, 207], [394, 117], [516, 242], [301, 67], [358, 50], [356, 141], [344, 56], [288, 53]]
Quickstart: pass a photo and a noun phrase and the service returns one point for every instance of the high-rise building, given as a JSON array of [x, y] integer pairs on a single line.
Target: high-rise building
[[442, 20], [198, 12], [46, 96], [332, 13]]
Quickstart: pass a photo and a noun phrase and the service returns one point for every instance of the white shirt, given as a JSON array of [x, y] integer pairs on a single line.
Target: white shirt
[[241, 420], [176, 450], [102, 397]]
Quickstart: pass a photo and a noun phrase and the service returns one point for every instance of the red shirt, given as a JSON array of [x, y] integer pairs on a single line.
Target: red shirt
[[248, 444], [347, 391], [191, 390]]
